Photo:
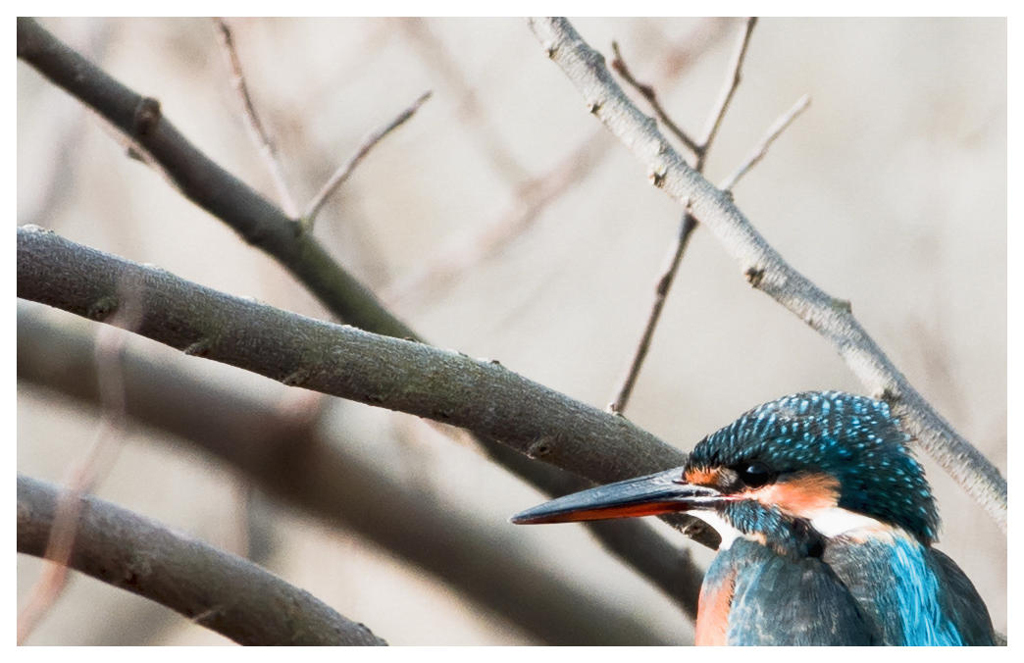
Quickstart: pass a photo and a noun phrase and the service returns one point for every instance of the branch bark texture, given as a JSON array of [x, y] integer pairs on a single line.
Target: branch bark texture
[[339, 360], [215, 589], [765, 269], [482, 396]]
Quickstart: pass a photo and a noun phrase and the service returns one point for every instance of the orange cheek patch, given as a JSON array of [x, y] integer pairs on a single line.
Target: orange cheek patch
[[802, 495], [701, 476]]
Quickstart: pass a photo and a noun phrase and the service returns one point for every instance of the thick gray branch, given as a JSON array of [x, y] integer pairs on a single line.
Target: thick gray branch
[[220, 591], [339, 360], [765, 269], [289, 459]]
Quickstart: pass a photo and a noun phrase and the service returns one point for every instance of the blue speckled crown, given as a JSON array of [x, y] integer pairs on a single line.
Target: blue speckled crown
[[853, 438]]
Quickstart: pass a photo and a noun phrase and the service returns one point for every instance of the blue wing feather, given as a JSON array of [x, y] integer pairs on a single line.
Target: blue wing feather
[[960, 600], [914, 594]]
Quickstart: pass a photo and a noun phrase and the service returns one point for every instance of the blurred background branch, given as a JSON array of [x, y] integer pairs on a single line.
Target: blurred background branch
[[290, 459], [85, 474]]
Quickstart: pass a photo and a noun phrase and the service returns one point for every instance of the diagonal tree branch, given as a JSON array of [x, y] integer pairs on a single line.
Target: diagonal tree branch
[[220, 591], [765, 269], [204, 182], [266, 227], [290, 458], [407, 376]]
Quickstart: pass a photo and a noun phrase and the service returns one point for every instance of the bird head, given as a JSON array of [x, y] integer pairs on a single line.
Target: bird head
[[790, 474]]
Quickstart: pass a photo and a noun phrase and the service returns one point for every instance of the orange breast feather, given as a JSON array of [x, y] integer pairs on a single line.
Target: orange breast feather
[[713, 610]]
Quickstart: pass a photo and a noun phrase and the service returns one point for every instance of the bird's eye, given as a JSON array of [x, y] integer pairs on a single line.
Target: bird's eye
[[755, 474]]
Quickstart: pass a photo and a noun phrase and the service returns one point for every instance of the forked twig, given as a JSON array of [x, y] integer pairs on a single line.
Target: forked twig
[[648, 93], [257, 131], [343, 173], [715, 120], [686, 228], [688, 223]]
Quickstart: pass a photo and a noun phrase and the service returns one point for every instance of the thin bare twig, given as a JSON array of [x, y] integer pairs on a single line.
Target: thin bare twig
[[699, 148], [343, 173], [257, 130], [686, 228], [648, 93], [767, 271], [762, 149], [688, 223], [728, 90]]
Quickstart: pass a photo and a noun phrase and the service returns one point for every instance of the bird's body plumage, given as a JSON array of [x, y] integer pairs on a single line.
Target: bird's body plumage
[[827, 525], [855, 593], [757, 591]]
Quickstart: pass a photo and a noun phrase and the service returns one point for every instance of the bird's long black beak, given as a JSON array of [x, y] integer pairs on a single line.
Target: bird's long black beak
[[651, 495]]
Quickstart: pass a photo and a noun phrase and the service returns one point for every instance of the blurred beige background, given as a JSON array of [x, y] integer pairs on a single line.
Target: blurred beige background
[[889, 191]]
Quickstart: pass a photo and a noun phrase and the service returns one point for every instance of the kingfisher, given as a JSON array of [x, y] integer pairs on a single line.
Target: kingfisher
[[827, 527]]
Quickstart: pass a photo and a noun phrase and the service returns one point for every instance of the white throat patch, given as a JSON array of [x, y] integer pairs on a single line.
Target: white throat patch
[[830, 523], [834, 521], [724, 529]]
